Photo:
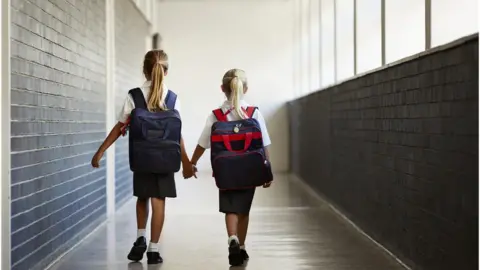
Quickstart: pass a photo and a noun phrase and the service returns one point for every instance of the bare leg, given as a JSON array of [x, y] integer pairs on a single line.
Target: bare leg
[[158, 218], [142, 213], [235, 257], [231, 221], [242, 228], [140, 245]]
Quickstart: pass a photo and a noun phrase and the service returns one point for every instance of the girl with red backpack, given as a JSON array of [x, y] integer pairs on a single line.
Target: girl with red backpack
[[238, 138]]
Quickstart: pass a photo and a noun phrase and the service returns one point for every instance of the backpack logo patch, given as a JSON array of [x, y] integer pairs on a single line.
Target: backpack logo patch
[[237, 127]]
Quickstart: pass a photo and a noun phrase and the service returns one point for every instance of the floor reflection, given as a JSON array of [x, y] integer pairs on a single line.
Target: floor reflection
[[289, 230]]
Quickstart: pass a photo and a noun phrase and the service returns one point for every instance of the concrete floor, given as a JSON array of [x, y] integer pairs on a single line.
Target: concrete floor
[[289, 229]]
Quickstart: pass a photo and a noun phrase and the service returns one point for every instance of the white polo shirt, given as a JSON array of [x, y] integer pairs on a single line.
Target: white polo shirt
[[204, 140], [129, 105]]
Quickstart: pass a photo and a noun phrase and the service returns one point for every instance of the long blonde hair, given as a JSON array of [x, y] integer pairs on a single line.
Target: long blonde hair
[[155, 65], [234, 83]]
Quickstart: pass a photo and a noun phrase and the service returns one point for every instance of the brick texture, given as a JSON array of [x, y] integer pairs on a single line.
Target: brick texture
[[58, 120], [131, 31], [397, 151]]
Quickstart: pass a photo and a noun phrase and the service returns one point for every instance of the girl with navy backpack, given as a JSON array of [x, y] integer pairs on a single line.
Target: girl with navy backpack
[[155, 152], [238, 137]]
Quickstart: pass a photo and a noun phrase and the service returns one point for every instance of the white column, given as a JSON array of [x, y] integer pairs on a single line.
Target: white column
[[110, 102], [5, 134], [149, 9], [148, 41]]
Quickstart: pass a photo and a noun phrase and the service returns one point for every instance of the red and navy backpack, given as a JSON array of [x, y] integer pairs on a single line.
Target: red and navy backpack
[[237, 152]]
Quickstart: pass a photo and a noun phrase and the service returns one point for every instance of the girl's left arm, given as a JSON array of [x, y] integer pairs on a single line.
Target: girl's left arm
[[186, 164]]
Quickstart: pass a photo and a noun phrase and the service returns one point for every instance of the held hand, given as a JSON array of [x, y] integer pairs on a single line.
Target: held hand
[[96, 159], [195, 170], [188, 171], [267, 185]]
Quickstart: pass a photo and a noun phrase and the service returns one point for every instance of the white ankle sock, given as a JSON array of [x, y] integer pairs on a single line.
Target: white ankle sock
[[140, 233], [242, 247], [153, 247], [233, 238]]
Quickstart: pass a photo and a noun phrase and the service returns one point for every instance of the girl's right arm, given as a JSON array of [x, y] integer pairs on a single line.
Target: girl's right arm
[[267, 154], [116, 131], [111, 138], [197, 154], [266, 140]]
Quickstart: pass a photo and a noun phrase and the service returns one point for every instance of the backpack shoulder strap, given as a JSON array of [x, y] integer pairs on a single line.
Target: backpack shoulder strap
[[170, 100], [220, 115], [138, 98], [250, 111]]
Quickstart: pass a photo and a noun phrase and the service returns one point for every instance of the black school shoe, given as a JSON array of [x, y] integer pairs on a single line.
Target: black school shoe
[[235, 257], [139, 247], [154, 258], [244, 255]]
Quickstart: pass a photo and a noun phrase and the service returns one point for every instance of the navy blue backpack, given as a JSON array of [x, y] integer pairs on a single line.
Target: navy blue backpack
[[237, 152], [154, 137]]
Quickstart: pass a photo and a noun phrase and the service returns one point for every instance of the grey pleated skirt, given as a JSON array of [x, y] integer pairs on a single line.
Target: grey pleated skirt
[[236, 201], [150, 185]]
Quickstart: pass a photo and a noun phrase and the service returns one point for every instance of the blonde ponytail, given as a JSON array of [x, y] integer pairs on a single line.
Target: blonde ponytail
[[155, 101], [236, 86]]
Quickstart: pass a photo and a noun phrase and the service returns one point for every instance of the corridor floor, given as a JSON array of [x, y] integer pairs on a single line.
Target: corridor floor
[[289, 230]]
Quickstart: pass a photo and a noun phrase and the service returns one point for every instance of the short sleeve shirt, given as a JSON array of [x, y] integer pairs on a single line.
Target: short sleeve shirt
[[204, 140], [129, 105]]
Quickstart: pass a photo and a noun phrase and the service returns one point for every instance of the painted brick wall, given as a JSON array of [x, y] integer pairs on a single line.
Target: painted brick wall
[[131, 31], [397, 151], [58, 121]]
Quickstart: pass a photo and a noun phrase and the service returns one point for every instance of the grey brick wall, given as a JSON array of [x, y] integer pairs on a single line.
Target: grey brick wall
[[397, 151], [58, 121], [131, 31]]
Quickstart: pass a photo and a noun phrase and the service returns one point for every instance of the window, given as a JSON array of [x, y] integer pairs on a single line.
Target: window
[[345, 44], [369, 35], [327, 42], [305, 41], [404, 28], [453, 19], [314, 45]]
